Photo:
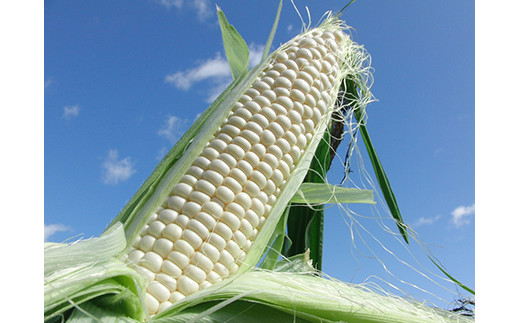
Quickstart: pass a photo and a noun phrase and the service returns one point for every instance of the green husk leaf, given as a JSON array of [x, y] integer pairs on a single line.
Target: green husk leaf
[[324, 193], [238, 311], [77, 273], [269, 43], [235, 46], [469, 290], [384, 184], [296, 264], [306, 297], [91, 312], [305, 223], [275, 245]]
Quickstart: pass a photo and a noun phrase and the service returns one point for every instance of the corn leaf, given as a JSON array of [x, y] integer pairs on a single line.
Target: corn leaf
[[469, 290], [324, 193], [382, 179], [275, 245], [305, 223], [235, 46], [90, 269], [302, 296], [296, 264], [269, 43]]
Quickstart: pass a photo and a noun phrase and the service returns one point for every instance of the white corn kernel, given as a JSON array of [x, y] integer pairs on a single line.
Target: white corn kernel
[[259, 150], [202, 261], [246, 228], [170, 268], [224, 231], [243, 199], [235, 209], [168, 281], [233, 248], [172, 231], [198, 227], [164, 306], [187, 286], [254, 126], [135, 255], [152, 261], [216, 239], [213, 209], [262, 101], [192, 238], [245, 167], [190, 209], [238, 175], [146, 243], [176, 203], [265, 169], [158, 290], [179, 259], [175, 297], [231, 221], [226, 259], [210, 251], [151, 303], [261, 120], [240, 239], [184, 247], [199, 197], [163, 247], [214, 178], [167, 216], [195, 273]]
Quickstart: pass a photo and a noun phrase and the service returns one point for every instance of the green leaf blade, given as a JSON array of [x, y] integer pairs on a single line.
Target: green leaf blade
[[273, 32], [237, 52]]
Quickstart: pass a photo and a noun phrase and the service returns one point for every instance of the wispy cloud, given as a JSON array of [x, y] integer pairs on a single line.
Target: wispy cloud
[[51, 229], [48, 83], [215, 70], [70, 111], [173, 128], [426, 220], [172, 3], [116, 170], [461, 215], [202, 7]]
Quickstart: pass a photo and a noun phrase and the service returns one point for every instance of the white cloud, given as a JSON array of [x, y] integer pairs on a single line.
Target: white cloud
[[200, 6], [255, 54], [460, 215], [115, 169], [50, 229], [172, 3], [426, 221], [70, 111], [215, 70], [173, 128]]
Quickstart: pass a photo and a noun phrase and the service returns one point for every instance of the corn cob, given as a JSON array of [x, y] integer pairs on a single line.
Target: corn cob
[[206, 226]]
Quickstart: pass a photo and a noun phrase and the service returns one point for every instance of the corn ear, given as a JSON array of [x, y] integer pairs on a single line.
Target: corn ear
[[216, 208]]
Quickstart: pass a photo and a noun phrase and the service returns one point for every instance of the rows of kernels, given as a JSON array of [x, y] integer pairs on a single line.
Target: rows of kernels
[[206, 226]]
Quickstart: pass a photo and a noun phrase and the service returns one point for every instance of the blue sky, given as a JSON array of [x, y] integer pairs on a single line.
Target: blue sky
[[125, 79]]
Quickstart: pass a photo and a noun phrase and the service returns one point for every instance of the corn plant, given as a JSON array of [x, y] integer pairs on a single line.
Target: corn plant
[[201, 239]]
